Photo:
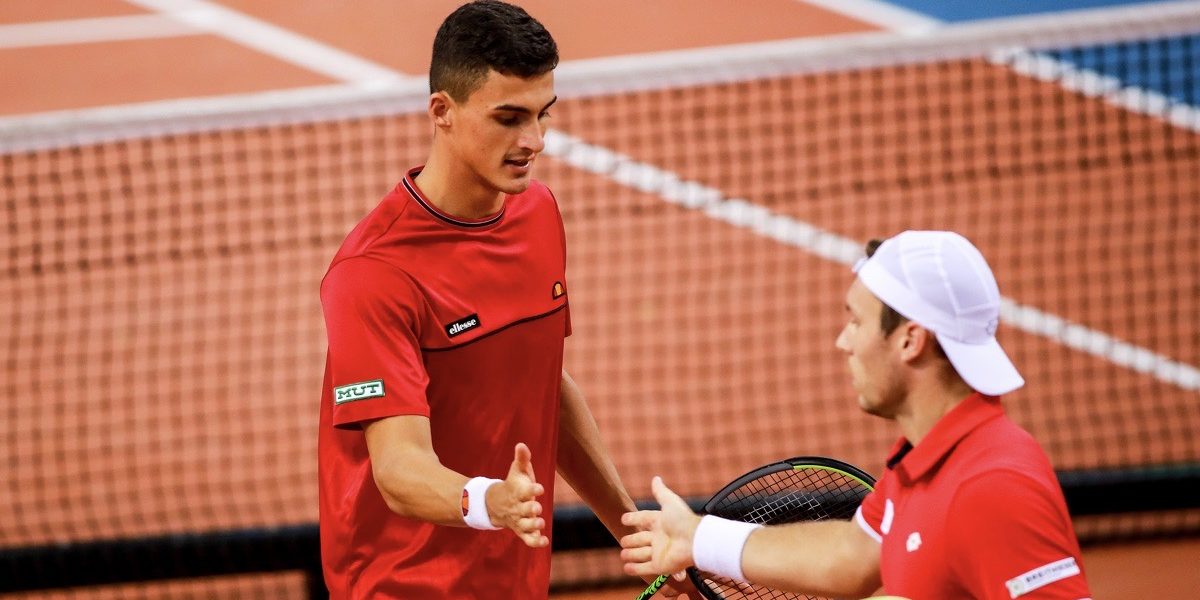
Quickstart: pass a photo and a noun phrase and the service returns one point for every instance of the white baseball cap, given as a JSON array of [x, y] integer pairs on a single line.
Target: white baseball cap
[[940, 281]]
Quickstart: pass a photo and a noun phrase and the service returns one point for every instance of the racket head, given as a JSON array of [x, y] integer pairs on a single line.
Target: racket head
[[804, 488]]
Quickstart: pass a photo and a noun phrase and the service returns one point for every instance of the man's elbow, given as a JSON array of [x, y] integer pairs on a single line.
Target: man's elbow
[[390, 491], [395, 489]]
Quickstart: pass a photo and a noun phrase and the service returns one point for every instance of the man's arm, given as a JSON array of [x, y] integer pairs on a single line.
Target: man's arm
[[585, 464], [414, 483], [829, 558]]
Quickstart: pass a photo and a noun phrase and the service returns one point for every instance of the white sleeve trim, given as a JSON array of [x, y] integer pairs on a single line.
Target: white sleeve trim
[[862, 523]]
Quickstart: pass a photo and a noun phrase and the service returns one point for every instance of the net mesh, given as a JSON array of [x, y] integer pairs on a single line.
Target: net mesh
[[164, 343]]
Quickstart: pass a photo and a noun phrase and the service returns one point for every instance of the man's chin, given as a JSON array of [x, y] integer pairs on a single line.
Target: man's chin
[[514, 186]]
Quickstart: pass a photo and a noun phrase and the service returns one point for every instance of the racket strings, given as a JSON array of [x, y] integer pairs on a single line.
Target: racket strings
[[786, 496]]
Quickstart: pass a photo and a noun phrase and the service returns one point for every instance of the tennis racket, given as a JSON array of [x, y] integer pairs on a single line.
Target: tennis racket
[[805, 488]]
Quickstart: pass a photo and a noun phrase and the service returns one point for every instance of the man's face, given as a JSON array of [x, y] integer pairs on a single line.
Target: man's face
[[497, 132], [873, 362]]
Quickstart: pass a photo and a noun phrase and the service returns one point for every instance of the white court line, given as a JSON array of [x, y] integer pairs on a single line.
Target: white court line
[[881, 14], [748, 62], [1097, 85], [83, 31], [276, 41], [831, 246]]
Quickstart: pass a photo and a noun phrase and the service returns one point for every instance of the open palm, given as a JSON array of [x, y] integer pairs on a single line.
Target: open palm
[[664, 542]]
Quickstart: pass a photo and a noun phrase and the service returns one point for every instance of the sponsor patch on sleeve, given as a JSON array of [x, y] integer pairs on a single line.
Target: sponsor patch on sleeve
[[1044, 575], [358, 391]]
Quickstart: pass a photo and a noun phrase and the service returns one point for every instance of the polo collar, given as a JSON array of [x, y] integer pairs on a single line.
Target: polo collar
[[410, 185], [915, 462]]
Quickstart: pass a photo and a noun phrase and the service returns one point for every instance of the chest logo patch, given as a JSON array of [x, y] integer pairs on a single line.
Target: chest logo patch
[[558, 291], [358, 391], [462, 325], [913, 542]]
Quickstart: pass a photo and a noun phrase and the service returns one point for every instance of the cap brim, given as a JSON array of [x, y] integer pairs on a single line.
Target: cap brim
[[985, 367]]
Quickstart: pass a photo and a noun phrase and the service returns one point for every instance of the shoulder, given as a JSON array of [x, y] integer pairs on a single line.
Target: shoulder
[[362, 281], [1004, 491], [385, 220], [1001, 445]]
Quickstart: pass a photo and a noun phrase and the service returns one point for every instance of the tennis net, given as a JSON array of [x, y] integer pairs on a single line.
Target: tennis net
[[160, 263]]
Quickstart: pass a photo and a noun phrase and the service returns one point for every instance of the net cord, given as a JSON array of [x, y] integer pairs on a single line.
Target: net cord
[[1001, 39]]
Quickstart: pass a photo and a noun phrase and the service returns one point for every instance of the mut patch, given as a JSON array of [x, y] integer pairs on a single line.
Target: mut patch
[[358, 391], [462, 325]]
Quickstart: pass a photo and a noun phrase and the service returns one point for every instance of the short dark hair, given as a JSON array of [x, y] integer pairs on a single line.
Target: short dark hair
[[483, 35], [890, 318]]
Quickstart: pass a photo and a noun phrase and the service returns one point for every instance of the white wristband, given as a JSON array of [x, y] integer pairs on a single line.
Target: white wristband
[[717, 546], [475, 503]]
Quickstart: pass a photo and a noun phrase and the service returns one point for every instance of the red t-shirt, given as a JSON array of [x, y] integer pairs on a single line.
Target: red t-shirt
[[974, 511], [463, 322]]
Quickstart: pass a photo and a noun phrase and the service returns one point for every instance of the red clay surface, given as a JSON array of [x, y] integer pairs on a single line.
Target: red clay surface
[[23, 11], [121, 72]]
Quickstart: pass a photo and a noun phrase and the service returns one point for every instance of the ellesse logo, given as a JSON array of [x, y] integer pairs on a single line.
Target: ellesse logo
[[462, 325]]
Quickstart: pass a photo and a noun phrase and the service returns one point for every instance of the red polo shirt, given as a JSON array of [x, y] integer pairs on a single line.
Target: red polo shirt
[[461, 321], [973, 511]]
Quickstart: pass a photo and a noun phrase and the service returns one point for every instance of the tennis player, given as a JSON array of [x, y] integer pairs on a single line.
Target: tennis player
[[445, 408], [968, 506]]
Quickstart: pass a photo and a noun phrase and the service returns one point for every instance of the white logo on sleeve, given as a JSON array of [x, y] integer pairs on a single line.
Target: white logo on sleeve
[[1044, 575], [914, 541], [889, 512], [358, 391]]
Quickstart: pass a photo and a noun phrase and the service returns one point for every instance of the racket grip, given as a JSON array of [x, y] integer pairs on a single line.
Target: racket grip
[[653, 587]]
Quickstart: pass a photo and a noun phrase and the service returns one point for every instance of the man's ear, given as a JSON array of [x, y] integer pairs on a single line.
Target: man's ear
[[441, 109], [913, 340]]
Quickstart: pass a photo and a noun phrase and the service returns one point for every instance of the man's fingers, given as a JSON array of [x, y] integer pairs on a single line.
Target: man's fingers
[[637, 540], [522, 461], [531, 524], [530, 509], [535, 540], [643, 519], [662, 493], [640, 569], [526, 492], [637, 555]]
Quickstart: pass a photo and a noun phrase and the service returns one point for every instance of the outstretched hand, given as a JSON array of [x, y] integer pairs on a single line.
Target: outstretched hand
[[513, 503], [664, 542]]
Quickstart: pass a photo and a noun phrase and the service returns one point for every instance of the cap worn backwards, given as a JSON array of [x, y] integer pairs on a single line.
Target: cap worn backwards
[[940, 281]]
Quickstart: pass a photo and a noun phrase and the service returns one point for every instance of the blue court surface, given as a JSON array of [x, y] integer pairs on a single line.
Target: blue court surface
[[1165, 66], [962, 10]]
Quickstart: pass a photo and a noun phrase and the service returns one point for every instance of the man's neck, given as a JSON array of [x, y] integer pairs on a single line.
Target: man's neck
[[926, 403], [457, 191]]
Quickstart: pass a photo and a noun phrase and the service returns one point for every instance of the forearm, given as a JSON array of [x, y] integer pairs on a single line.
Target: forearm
[[828, 559], [411, 479], [422, 489], [584, 462]]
